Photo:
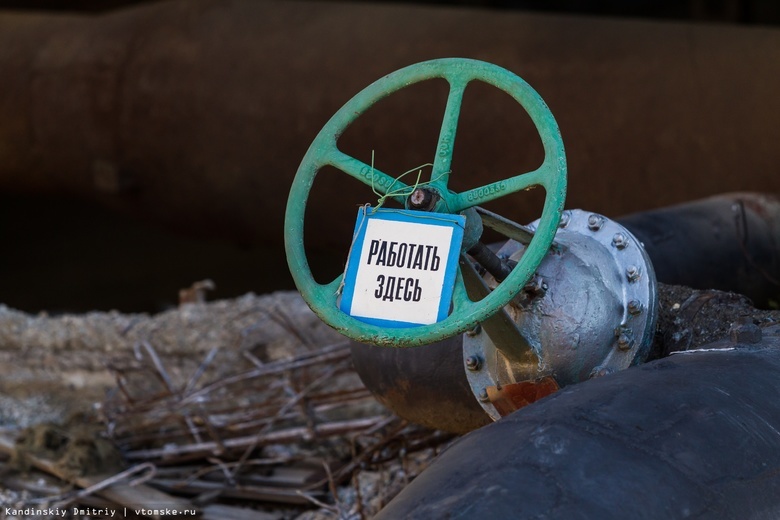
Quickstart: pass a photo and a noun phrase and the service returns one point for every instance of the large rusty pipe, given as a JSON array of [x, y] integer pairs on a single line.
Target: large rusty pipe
[[695, 435], [426, 385], [196, 113]]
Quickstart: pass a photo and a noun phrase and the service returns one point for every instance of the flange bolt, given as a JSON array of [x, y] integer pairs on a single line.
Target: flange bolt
[[600, 371], [634, 307], [536, 286], [595, 222], [625, 340], [473, 363], [620, 241], [632, 273], [483, 395], [565, 218]]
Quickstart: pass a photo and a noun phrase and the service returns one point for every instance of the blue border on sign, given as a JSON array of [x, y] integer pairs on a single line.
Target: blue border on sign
[[365, 213]]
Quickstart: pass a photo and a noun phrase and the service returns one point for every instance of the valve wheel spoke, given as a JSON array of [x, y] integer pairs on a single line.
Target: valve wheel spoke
[[442, 162], [378, 180], [498, 189], [331, 290]]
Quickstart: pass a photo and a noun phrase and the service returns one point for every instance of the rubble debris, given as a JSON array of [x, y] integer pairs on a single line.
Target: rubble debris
[[77, 448], [248, 404], [689, 319], [252, 401], [45, 359]]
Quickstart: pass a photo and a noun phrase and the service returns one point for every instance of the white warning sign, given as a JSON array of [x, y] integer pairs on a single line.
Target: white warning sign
[[402, 266]]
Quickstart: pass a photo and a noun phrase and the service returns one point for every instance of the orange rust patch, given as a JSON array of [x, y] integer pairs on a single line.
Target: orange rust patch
[[514, 396]]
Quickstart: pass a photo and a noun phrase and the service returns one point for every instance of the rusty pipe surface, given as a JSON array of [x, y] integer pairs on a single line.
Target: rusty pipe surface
[[426, 385], [730, 242], [694, 435], [196, 113]]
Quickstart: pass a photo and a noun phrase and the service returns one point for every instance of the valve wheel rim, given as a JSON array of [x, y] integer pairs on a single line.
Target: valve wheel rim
[[323, 151]]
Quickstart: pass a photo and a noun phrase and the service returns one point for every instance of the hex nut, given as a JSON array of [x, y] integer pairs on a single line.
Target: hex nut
[[565, 218], [536, 286], [620, 241], [422, 198], [473, 363], [595, 222], [625, 341], [625, 337], [633, 273], [600, 371], [635, 307], [483, 395]]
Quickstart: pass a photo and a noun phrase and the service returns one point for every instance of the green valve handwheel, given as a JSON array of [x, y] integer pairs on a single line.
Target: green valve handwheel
[[324, 151]]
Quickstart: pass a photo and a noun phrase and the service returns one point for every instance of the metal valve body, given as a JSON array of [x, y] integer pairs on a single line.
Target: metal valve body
[[590, 310], [576, 296]]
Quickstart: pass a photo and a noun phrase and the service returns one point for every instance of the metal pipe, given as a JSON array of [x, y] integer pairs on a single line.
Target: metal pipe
[[494, 265], [428, 385], [196, 113], [730, 242], [693, 435]]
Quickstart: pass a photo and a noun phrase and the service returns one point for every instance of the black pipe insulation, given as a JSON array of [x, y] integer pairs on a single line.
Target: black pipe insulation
[[693, 435], [729, 242]]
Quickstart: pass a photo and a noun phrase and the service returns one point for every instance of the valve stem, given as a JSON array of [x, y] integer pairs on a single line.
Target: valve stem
[[422, 199], [499, 268]]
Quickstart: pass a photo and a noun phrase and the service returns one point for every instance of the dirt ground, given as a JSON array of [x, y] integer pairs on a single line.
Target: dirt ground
[[689, 319]]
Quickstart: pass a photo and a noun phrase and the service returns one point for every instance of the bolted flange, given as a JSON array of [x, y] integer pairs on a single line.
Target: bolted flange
[[589, 311]]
